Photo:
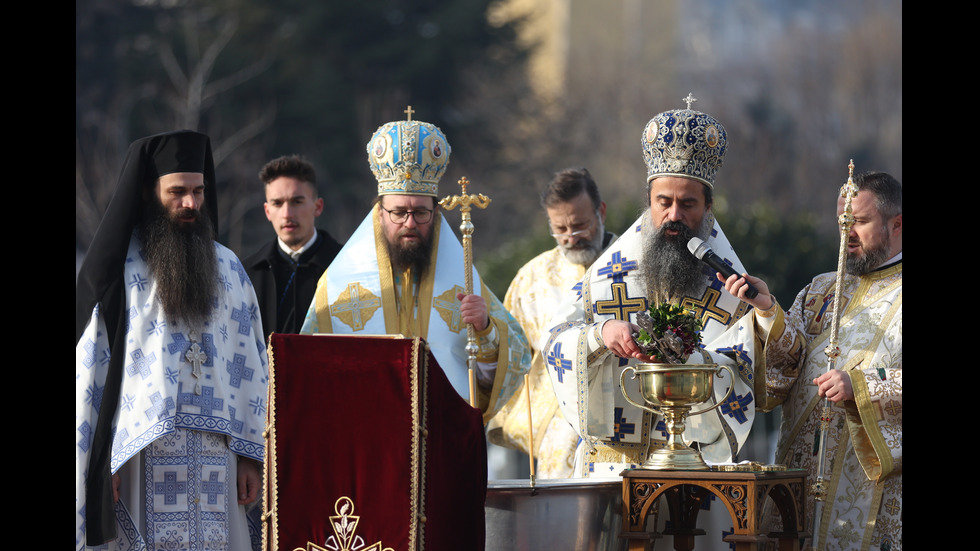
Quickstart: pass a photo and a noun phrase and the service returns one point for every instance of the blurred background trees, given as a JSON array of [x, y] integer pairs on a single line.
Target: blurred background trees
[[522, 88]]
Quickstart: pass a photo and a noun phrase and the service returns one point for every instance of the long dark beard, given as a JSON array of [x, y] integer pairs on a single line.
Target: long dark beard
[[183, 261], [416, 256], [670, 270]]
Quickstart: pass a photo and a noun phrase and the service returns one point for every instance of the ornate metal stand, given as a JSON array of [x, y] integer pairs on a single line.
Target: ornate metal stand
[[743, 494]]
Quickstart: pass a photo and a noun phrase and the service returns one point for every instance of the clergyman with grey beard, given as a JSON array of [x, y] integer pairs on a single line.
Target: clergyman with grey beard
[[576, 216]]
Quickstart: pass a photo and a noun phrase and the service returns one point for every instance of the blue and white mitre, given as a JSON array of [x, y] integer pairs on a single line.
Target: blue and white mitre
[[408, 157], [361, 294], [685, 143]]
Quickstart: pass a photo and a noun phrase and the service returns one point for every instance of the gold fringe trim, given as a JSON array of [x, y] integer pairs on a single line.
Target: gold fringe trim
[[269, 480], [415, 457], [421, 435]]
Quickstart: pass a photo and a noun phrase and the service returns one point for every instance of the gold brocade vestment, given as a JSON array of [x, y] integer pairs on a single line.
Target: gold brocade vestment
[[863, 507], [532, 298]]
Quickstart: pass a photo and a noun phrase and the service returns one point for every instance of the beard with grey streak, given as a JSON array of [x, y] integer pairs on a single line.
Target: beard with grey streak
[[583, 252], [669, 269], [181, 257], [860, 264]]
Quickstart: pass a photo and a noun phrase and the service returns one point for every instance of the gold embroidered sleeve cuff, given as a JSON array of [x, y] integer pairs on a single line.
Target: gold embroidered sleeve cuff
[[486, 330], [768, 312], [597, 336], [489, 342]]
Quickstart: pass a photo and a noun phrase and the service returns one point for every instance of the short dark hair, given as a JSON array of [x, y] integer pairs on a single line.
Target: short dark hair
[[886, 189], [291, 166], [708, 192], [569, 184]]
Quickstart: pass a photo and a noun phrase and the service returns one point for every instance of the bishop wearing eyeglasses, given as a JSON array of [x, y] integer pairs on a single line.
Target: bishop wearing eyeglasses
[[401, 272]]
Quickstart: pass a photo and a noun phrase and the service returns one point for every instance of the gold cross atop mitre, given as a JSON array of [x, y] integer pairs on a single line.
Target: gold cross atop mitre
[[408, 112], [465, 200]]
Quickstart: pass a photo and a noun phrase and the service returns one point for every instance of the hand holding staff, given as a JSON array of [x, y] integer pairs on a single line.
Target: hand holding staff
[[466, 202], [818, 489]]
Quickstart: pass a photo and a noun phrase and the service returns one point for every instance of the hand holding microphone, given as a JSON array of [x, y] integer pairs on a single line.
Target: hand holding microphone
[[703, 252]]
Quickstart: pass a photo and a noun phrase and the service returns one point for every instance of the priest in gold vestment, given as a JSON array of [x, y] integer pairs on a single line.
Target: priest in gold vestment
[[576, 216], [863, 455]]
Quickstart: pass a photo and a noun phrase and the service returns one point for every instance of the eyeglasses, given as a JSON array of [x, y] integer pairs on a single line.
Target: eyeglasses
[[421, 216], [576, 233], [573, 234]]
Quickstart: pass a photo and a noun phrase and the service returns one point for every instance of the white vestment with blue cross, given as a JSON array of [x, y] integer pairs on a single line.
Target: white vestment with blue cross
[[198, 424], [586, 375]]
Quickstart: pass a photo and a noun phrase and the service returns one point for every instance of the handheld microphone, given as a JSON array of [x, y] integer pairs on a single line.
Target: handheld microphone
[[703, 252]]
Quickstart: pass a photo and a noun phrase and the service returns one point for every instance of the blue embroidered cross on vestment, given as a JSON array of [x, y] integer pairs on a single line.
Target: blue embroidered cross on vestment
[[170, 488], [179, 344], [243, 317], [236, 424], [206, 401], [238, 371], [240, 270], [736, 405], [139, 282], [141, 363], [558, 361], [620, 427], [213, 487], [161, 407], [617, 267]]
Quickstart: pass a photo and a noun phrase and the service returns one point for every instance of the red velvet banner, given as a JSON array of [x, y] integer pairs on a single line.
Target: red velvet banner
[[346, 467]]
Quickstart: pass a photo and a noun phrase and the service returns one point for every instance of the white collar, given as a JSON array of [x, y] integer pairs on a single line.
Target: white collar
[[891, 260], [297, 253]]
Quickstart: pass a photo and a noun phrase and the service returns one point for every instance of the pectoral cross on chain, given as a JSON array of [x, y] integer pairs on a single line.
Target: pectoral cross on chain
[[195, 356]]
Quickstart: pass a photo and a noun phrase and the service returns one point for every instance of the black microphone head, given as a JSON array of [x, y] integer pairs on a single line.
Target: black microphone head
[[698, 247]]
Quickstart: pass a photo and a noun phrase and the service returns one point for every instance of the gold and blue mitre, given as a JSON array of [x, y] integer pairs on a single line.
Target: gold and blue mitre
[[408, 158], [685, 143]]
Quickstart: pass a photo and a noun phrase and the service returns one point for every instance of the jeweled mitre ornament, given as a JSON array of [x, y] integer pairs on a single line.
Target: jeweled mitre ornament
[[408, 158], [684, 143]]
